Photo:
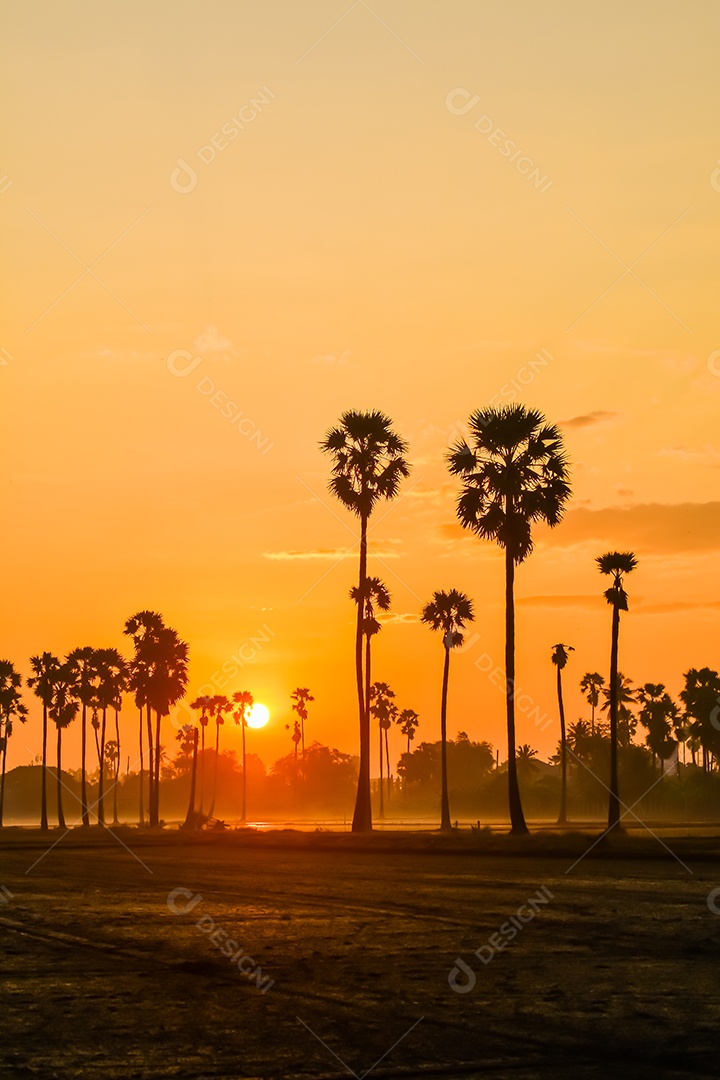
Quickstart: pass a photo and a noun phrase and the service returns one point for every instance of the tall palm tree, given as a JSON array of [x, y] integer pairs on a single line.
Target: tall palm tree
[[143, 627], [44, 667], [62, 711], [220, 705], [204, 704], [81, 663], [368, 465], [514, 473], [615, 564], [448, 612], [377, 595], [383, 709], [560, 658], [300, 698], [244, 701], [168, 680], [11, 706], [110, 682], [407, 721], [591, 684]]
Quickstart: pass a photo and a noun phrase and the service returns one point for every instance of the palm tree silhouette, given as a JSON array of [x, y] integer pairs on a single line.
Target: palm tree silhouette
[[376, 595], [615, 564], [244, 701], [143, 628], [300, 698], [701, 700], [560, 659], [407, 721], [383, 709], [167, 686], [626, 720], [187, 736], [62, 711], [81, 662], [368, 465], [449, 612], [219, 705], [204, 704], [44, 666], [591, 684], [10, 706], [514, 473], [110, 672], [660, 715]]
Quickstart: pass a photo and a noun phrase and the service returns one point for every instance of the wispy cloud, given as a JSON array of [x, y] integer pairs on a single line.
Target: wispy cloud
[[588, 419], [325, 553], [211, 343]]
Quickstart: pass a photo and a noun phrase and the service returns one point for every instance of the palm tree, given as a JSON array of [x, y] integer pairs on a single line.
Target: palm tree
[[591, 684], [660, 715], [407, 721], [300, 698], [169, 678], [81, 662], [219, 705], [560, 659], [45, 667], [10, 706], [62, 711], [204, 704], [376, 595], [368, 465], [514, 473], [187, 736], [627, 723], [700, 697], [383, 709], [143, 628], [111, 680], [615, 564], [449, 612], [244, 701]]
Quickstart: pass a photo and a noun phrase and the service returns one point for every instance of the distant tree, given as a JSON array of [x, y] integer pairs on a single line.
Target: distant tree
[[220, 705], [701, 700], [368, 465], [144, 628], [626, 719], [244, 701], [11, 709], [616, 565], [187, 736], [44, 667], [82, 668], [204, 705], [514, 473], [407, 721], [110, 681], [658, 714], [448, 612], [560, 659], [591, 684], [300, 698], [62, 711], [383, 708]]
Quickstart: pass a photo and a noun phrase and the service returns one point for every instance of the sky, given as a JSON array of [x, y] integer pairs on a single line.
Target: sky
[[227, 222]]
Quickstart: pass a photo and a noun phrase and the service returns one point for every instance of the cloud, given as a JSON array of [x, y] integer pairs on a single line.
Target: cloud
[[210, 343], [398, 617], [588, 419], [654, 528], [707, 455], [334, 554]]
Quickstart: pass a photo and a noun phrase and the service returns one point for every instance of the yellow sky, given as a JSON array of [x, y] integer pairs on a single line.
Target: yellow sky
[[414, 207]]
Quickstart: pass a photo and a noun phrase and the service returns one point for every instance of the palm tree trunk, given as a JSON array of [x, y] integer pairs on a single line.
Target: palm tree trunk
[[614, 799], [142, 777], [60, 814], [517, 818], [387, 762], [156, 785], [101, 784], [117, 769], [445, 825], [202, 766], [217, 756], [151, 762], [2, 775], [43, 782], [83, 771], [243, 815], [562, 817], [362, 817], [190, 816]]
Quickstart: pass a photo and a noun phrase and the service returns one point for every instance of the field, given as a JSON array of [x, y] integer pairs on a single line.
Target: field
[[614, 969]]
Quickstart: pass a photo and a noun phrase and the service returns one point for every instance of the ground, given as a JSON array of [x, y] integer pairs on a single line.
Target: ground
[[356, 939]]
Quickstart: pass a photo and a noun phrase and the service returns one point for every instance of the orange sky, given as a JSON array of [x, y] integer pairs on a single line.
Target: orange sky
[[369, 239]]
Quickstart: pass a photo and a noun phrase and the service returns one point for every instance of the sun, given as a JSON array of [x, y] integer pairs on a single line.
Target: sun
[[258, 716]]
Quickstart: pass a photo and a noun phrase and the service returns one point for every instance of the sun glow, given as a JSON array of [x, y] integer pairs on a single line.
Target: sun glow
[[258, 715]]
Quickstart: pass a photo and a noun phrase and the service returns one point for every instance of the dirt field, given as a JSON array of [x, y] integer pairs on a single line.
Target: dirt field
[[615, 970]]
